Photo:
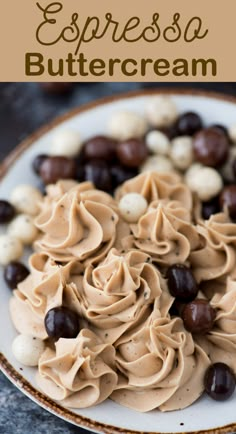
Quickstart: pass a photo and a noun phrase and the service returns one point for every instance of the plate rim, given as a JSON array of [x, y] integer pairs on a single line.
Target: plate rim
[[8, 370]]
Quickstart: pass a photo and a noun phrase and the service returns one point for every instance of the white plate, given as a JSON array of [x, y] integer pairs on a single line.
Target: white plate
[[109, 417]]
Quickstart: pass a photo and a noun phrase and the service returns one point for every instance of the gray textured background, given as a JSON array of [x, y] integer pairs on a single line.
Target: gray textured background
[[23, 109]]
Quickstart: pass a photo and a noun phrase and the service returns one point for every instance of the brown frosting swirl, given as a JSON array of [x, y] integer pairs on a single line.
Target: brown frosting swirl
[[216, 255], [154, 186], [48, 285], [78, 372], [117, 294], [79, 224], [220, 343], [165, 232], [160, 367]]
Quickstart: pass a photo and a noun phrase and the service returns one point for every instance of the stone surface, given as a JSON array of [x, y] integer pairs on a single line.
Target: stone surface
[[19, 415], [26, 107]]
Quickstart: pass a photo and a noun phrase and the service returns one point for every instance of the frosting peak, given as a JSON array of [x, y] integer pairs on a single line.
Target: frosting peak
[[159, 365], [165, 232], [78, 372], [81, 223], [118, 292]]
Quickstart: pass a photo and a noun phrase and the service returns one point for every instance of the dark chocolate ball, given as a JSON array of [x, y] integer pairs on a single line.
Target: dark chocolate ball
[[219, 382], [61, 322], [100, 147], [211, 147], [176, 308], [171, 132], [55, 168], [181, 283], [234, 168], [56, 88], [37, 162], [98, 172], [221, 128], [121, 174], [188, 124], [198, 316], [80, 176], [210, 207], [14, 273], [7, 212], [132, 153], [228, 199]]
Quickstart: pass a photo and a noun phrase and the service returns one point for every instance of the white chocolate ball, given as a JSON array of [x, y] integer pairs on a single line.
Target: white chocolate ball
[[232, 132], [126, 125], [27, 349], [23, 228], [26, 198], [190, 177], [207, 183], [132, 206], [158, 143], [161, 111], [11, 249], [182, 152], [66, 143], [157, 163], [227, 169]]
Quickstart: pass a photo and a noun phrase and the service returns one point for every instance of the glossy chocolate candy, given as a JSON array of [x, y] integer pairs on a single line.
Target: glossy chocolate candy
[[198, 316], [132, 153], [181, 283], [228, 200], [14, 273], [188, 124], [61, 322], [219, 382], [55, 168], [211, 147], [7, 211], [100, 147]]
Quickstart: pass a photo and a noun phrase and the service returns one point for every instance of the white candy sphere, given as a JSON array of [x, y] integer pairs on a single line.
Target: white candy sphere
[[232, 132], [23, 228], [207, 183], [182, 152], [132, 206], [28, 349], [11, 249], [157, 163], [26, 198], [190, 177], [66, 143], [125, 125], [161, 111], [158, 143], [227, 169]]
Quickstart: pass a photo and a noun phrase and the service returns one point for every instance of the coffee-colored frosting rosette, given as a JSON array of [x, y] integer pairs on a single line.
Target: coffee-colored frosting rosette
[[81, 223], [160, 367], [78, 372], [220, 342], [48, 285], [113, 274], [165, 232], [216, 256], [119, 293], [155, 186]]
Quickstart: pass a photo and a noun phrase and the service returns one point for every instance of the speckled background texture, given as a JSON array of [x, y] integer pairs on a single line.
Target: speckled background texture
[[24, 108]]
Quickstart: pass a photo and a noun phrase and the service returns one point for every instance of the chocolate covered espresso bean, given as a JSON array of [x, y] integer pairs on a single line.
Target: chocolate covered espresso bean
[[198, 316], [132, 153], [211, 147], [55, 168], [100, 147]]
